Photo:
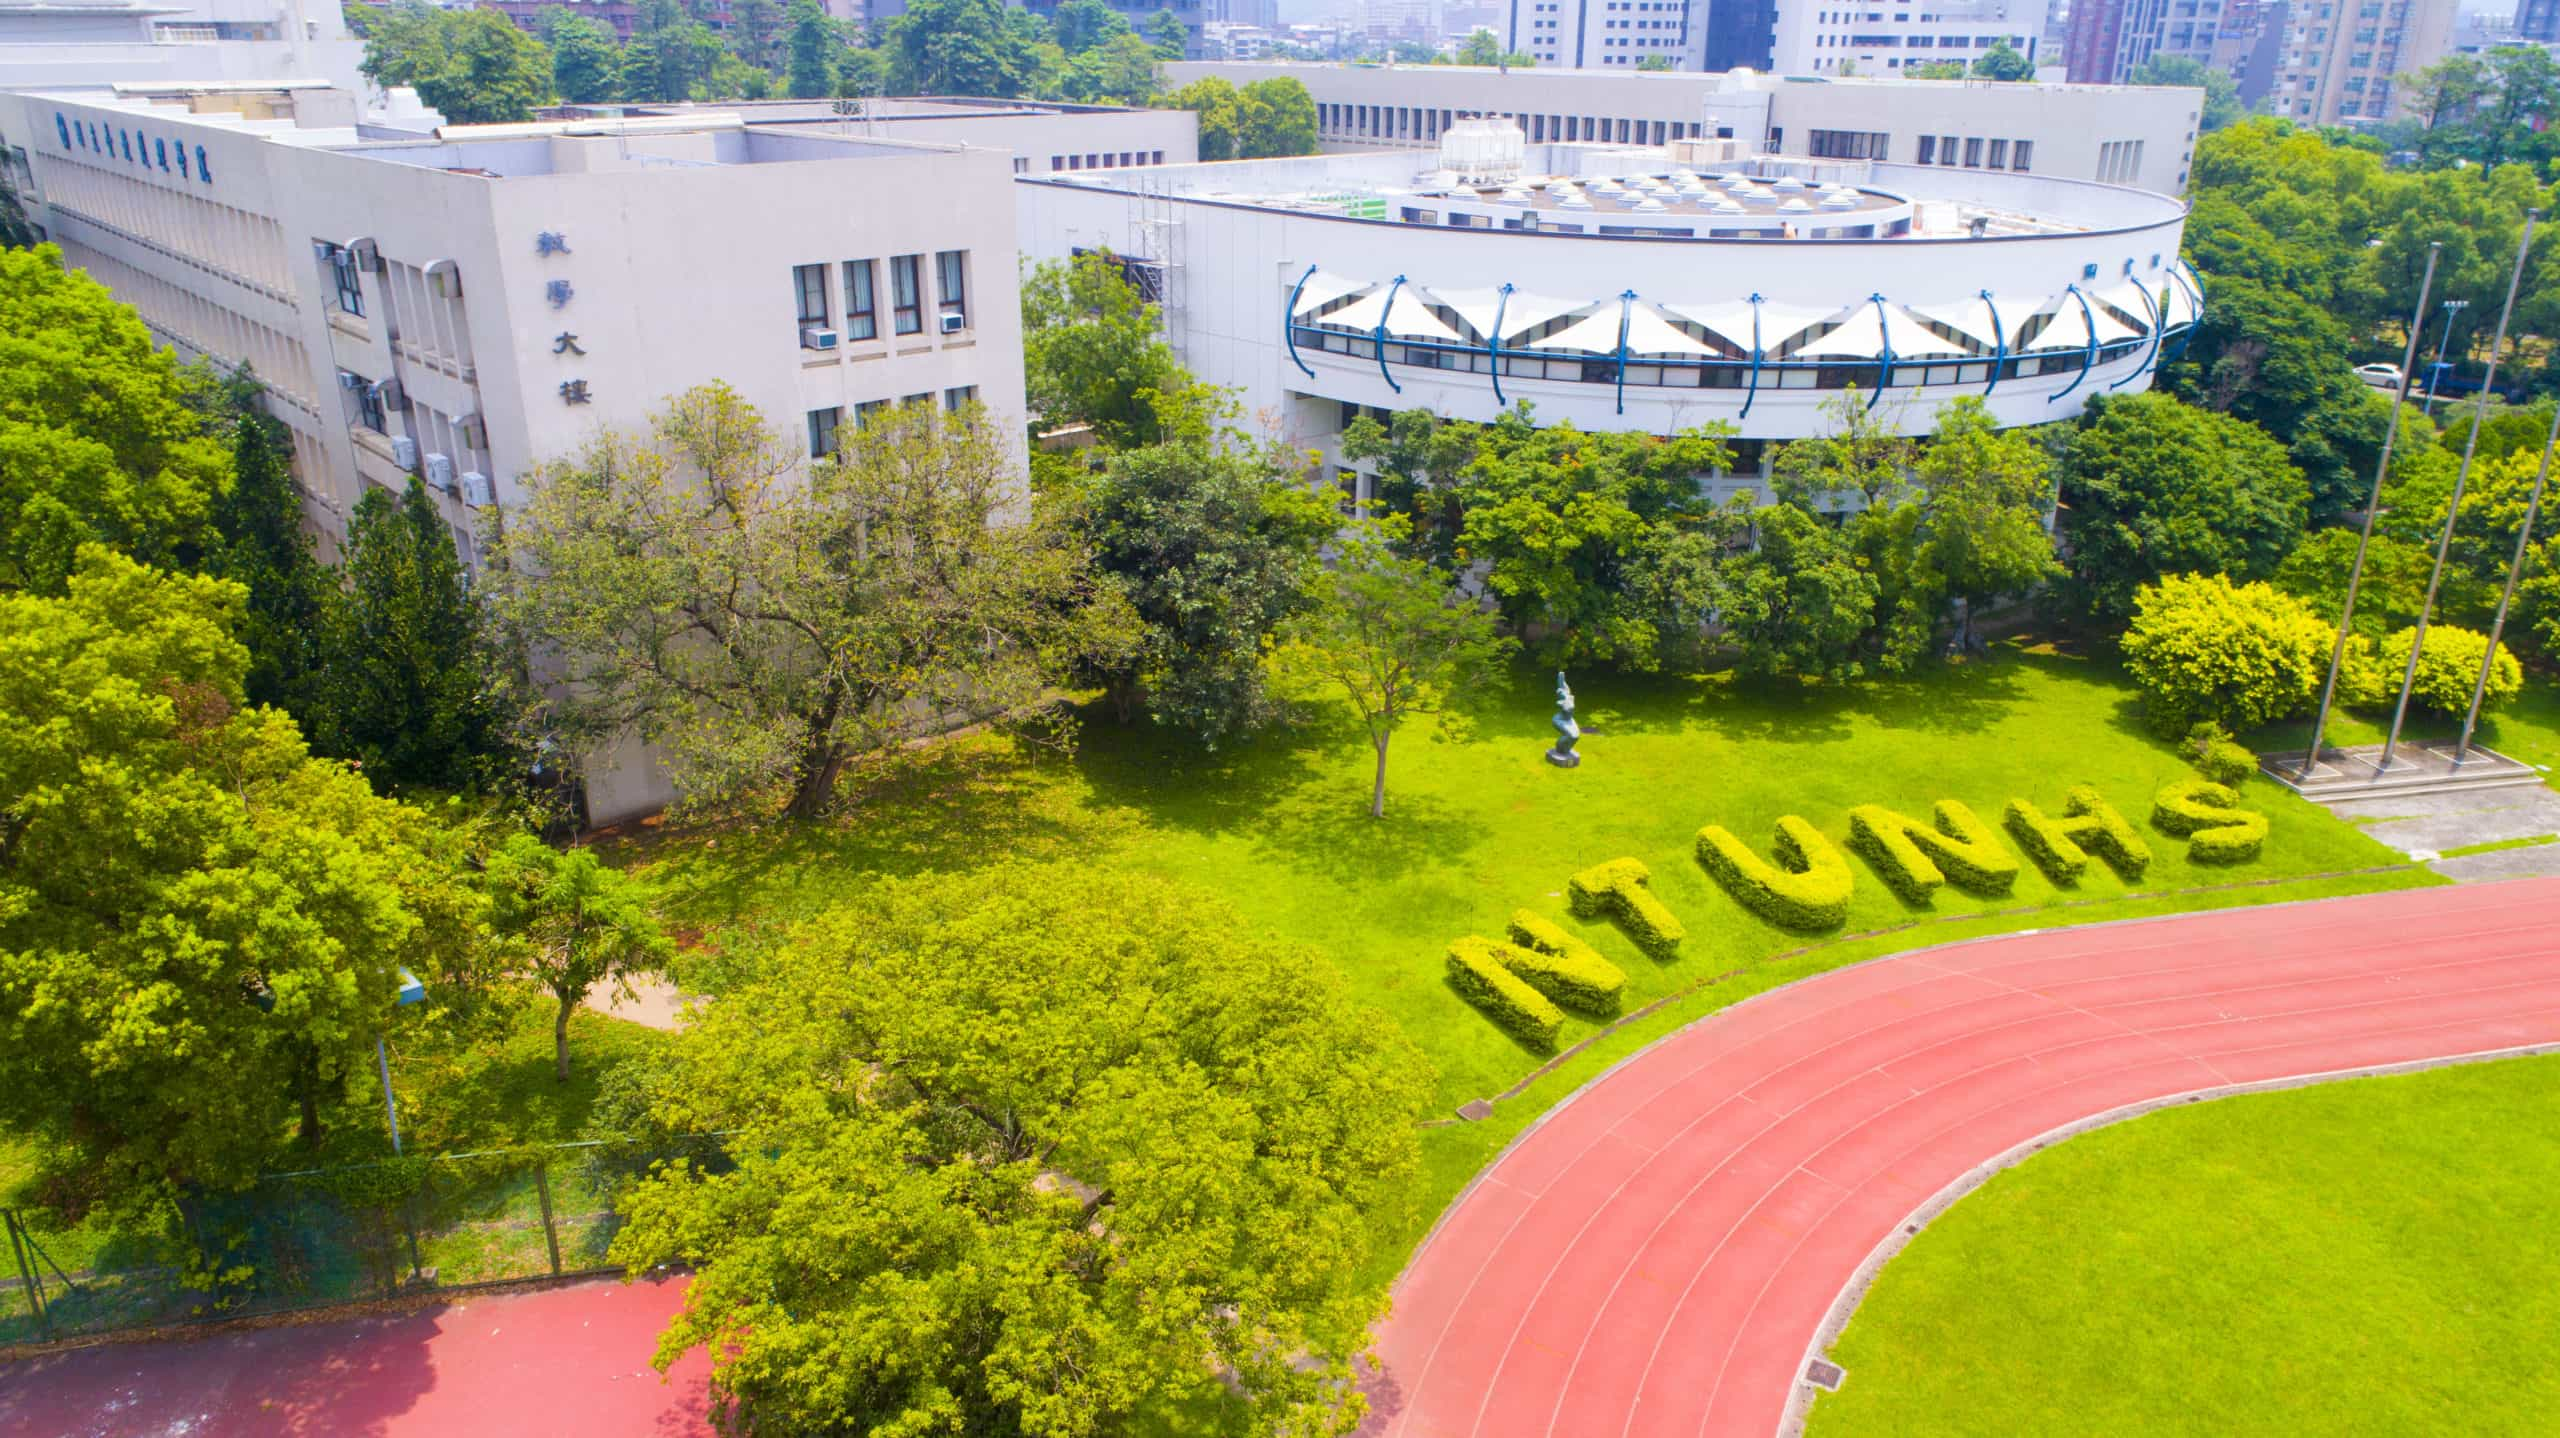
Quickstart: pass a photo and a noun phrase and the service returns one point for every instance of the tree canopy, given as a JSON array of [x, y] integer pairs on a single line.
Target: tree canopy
[[473, 65], [2152, 487], [1033, 1151], [1093, 351]]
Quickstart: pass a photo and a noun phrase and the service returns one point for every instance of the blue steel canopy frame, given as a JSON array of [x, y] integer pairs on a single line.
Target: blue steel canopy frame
[[1493, 345], [1289, 321], [1884, 351], [1753, 392], [2193, 284], [2089, 359], [1999, 344], [2156, 338], [1379, 334], [1626, 313]]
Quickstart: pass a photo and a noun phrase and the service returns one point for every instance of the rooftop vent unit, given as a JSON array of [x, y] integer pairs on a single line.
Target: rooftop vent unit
[[1483, 151]]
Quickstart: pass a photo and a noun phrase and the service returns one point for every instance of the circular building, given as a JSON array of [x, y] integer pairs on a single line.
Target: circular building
[[1650, 289]]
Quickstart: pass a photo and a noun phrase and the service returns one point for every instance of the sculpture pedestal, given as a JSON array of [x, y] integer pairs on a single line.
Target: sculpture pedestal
[[1564, 758]]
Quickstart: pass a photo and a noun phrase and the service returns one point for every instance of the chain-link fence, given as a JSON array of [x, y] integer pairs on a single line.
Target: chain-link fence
[[330, 1236]]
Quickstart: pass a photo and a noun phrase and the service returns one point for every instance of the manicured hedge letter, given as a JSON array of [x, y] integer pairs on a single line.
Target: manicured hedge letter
[[2089, 826], [1915, 858], [1561, 966], [1514, 1007], [2218, 830], [1808, 888], [1617, 890]]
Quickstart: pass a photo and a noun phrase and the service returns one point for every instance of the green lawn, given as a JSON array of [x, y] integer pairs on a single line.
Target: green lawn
[[2374, 1256], [1479, 825]]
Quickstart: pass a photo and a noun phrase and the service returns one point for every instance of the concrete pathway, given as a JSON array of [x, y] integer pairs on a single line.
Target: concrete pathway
[[2425, 825], [1664, 1253]]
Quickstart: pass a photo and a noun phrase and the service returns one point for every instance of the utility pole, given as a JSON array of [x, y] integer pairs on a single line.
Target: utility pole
[[2372, 506], [2515, 571], [2453, 505], [2436, 375]]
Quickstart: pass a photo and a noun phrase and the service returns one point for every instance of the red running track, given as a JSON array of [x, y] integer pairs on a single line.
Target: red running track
[[559, 1363], [1658, 1256]]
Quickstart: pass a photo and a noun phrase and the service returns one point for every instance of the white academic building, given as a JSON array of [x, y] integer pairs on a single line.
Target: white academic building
[[1637, 288]]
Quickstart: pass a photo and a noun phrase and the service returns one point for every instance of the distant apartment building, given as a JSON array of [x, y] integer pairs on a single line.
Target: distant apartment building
[[1611, 34], [2323, 62], [49, 43], [2538, 21], [1868, 37], [2143, 136]]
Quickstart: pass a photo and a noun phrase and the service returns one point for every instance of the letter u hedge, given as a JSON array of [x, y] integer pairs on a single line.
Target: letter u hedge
[[1808, 888]]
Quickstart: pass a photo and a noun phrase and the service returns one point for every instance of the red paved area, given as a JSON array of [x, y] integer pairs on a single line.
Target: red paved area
[[1658, 1255], [571, 1362]]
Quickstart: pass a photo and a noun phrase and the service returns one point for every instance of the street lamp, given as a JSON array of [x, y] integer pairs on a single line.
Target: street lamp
[[411, 992], [2435, 376]]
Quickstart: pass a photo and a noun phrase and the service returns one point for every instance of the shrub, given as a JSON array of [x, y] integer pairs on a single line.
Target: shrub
[[1915, 858], [2202, 647], [1808, 888], [2089, 825], [1505, 998], [2217, 756], [2447, 668], [2218, 830], [1560, 966], [1618, 889]]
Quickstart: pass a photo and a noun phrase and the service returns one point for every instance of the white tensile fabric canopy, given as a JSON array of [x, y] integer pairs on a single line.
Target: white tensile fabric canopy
[[1647, 333], [2070, 329], [1977, 319], [2178, 305], [1522, 313], [1732, 319], [1870, 329], [1410, 319], [1323, 288]]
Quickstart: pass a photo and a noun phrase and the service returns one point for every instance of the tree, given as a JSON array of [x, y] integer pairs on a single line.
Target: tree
[[1166, 35], [2221, 93], [586, 64], [1093, 351], [2152, 487], [962, 47], [1935, 70], [811, 51], [475, 66], [2393, 588], [1214, 543], [664, 62], [1860, 464], [571, 923], [1083, 24], [200, 925], [1483, 47], [2003, 62], [2240, 655], [752, 27], [1275, 117], [1565, 517], [409, 687], [1389, 634], [1986, 494], [1034, 1151], [259, 543], [1213, 101], [99, 442], [1121, 69], [769, 621], [1798, 605], [16, 232]]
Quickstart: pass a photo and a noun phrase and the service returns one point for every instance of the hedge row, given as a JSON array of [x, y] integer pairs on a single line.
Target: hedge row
[[1618, 889], [2089, 825], [1561, 966], [1915, 858], [1514, 1007], [1808, 888], [2217, 829]]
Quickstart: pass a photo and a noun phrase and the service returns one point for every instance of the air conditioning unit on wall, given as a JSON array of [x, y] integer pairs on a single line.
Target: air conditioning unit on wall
[[404, 451], [477, 491], [954, 324], [440, 471], [817, 337]]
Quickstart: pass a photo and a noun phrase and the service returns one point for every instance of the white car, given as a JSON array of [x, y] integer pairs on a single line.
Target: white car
[[2381, 376]]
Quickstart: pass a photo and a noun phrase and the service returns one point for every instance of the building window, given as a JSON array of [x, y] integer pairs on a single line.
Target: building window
[[822, 430], [906, 292], [1973, 152], [1999, 154], [959, 397], [861, 302], [867, 413], [2020, 153], [950, 279], [348, 284], [369, 412], [1848, 144], [810, 281], [1928, 150]]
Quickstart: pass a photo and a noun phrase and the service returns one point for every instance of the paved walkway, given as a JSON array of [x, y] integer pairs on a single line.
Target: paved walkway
[[560, 1363], [1660, 1254], [2426, 825]]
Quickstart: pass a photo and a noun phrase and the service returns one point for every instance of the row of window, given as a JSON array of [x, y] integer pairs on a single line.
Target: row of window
[[811, 284], [1976, 152], [1098, 160], [825, 425], [135, 147], [1708, 374], [1407, 122]]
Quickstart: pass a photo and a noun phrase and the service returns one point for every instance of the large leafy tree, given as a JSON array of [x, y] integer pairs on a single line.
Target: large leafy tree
[[963, 47], [1212, 101], [259, 543], [570, 922], [1565, 517], [1386, 633], [475, 66], [586, 63], [670, 54], [2153, 487], [768, 621], [200, 925], [411, 687], [1093, 351], [1034, 1152], [99, 440], [1120, 70], [810, 51], [1275, 117], [1798, 605], [1987, 494], [1082, 25], [1214, 542], [2221, 93]]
